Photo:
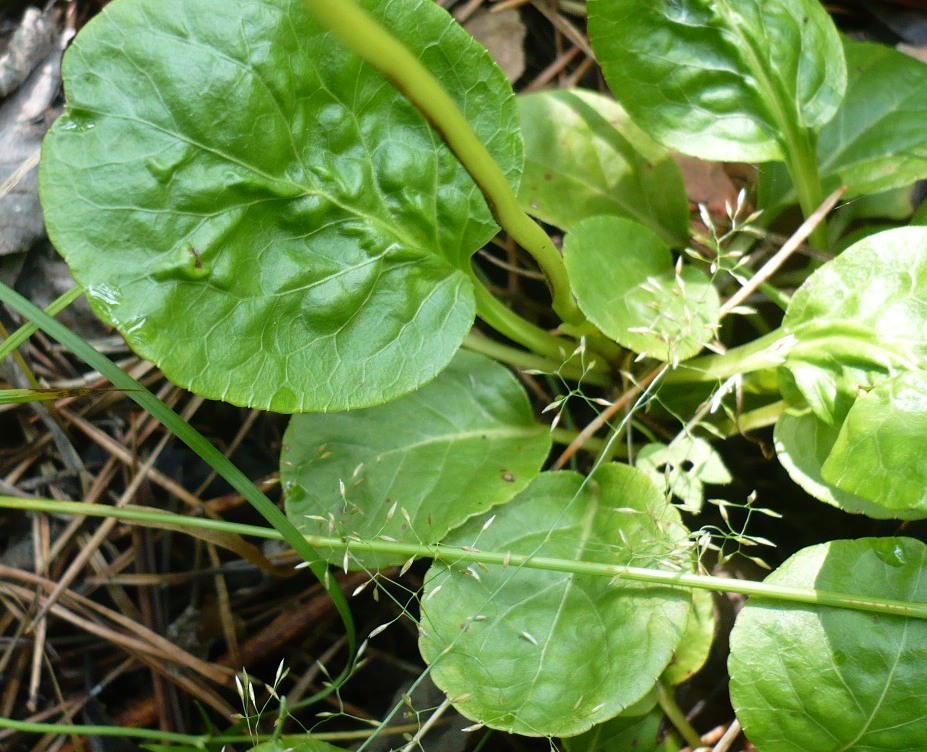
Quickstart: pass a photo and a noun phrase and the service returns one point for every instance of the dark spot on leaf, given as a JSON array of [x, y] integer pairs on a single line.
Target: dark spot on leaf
[[548, 176]]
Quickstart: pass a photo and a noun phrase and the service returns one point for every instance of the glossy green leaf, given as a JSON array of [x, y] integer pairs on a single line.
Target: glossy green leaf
[[818, 679], [858, 325], [258, 211], [894, 204], [857, 320], [415, 468], [832, 360], [682, 467], [877, 139], [719, 79], [879, 452], [584, 156], [626, 283], [803, 443], [540, 652]]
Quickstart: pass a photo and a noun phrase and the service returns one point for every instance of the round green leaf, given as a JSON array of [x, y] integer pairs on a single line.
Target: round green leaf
[[262, 214], [829, 361], [858, 327], [879, 284], [625, 282], [876, 140], [415, 468], [819, 679], [718, 79], [879, 452], [803, 443], [584, 156], [547, 653]]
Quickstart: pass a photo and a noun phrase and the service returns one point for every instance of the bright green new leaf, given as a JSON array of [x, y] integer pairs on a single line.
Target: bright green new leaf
[[857, 320], [877, 139], [682, 467], [831, 360], [879, 452], [261, 213], [819, 679], [803, 444], [896, 204], [720, 79], [547, 653], [858, 325], [584, 156], [625, 282], [417, 467]]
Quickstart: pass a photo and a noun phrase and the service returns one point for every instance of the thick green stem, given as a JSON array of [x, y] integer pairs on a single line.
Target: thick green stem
[[197, 741], [760, 590], [798, 143], [752, 420], [764, 352], [595, 373], [453, 555], [508, 323], [374, 44], [672, 710], [802, 163]]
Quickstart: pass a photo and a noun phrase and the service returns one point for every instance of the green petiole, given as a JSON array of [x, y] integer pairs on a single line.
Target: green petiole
[[374, 44]]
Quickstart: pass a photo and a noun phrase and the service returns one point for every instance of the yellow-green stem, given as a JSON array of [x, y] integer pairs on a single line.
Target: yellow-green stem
[[360, 32], [676, 716], [452, 555]]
